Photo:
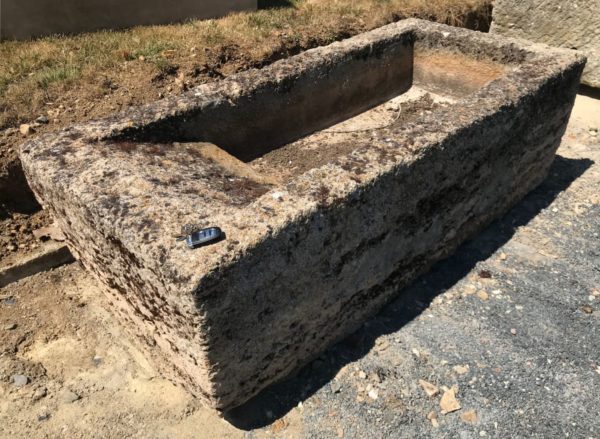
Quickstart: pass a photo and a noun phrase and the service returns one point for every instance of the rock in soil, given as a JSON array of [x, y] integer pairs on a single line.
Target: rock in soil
[[26, 129], [19, 380]]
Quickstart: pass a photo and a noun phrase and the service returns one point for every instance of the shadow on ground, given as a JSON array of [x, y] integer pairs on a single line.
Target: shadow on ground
[[277, 400], [590, 92], [270, 4]]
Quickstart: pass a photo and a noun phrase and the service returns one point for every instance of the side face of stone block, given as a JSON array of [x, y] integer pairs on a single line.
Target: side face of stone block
[[338, 176], [572, 25]]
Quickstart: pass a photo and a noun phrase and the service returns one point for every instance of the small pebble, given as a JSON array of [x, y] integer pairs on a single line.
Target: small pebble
[[19, 380], [70, 397], [44, 415], [277, 196], [483, 295], [26, 129], [97, 360], [39, 393], [10, 326], [42, 120], [336, 387], [373, 394]]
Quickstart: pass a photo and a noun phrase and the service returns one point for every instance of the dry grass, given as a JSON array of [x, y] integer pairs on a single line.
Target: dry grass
[[92, 74]]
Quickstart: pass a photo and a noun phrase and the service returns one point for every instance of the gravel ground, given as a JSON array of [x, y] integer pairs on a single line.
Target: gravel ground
[[504, 335]]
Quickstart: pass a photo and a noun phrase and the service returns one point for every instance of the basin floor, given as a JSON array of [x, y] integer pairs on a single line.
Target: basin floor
[[326, 145]]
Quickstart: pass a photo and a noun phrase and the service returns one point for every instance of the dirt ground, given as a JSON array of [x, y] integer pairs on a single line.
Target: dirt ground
[[507, 329]]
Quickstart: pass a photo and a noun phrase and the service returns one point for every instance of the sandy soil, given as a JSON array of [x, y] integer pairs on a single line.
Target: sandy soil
[[509, 326]]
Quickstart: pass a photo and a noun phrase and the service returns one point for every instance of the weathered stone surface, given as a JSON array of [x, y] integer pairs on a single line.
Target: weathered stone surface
[[573, 25], [307, 255]]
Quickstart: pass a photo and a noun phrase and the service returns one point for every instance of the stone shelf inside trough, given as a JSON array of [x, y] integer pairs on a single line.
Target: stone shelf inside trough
[[337, 176]]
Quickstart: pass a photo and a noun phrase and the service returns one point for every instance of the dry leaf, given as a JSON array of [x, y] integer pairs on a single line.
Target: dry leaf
[[381, 345], [429, 388], [432, 416], [278, 426], [449, 403], [461, 370], [485, 274], [470, 417], [169, 53]]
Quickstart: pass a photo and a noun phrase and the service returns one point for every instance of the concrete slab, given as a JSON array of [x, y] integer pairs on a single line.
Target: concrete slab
[[315, 248]]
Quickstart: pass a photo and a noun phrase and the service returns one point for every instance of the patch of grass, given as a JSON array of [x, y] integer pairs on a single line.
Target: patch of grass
[[153, 49], [51, 75], [165, 68], [212, 33]]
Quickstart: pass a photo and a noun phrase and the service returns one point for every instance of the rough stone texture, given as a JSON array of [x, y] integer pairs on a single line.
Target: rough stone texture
[[23, 19], [574, 25], [306, 260]]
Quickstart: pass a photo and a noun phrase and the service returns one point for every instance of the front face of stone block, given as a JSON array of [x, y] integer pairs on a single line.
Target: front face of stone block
[[338, 176], [573, 25]]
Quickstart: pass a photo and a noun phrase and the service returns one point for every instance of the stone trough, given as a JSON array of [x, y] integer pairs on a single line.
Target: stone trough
[[337, 175]]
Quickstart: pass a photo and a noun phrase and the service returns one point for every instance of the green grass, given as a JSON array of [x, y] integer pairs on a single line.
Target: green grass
[[50, 75]]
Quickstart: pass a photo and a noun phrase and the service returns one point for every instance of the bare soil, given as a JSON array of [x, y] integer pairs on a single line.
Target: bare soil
[[16, 233]]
